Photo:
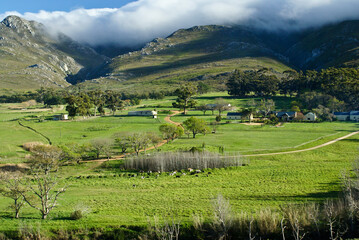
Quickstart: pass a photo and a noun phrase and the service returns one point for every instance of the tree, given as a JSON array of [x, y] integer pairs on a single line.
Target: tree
[[184, 97], [154, 138], [102, 146], [247, 113], [239, 84], [136, 141], [98, 99], [196, 125], [13, 188], [221, 105], [266, 106], [202, 88], [122, 141], [170, 131], [113, 101], [204, 108], [44, 163]]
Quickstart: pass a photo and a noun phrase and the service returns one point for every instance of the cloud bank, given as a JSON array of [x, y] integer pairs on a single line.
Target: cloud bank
[[141, 21]]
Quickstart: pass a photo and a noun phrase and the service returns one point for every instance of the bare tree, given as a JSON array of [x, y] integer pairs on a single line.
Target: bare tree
[[43, 181], [154, 139], [221, 105], [170, 229], [102, 146], [14, 189], [223, 217]]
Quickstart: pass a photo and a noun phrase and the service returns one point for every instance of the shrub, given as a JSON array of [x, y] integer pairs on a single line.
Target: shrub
[[76, 215], [30, 145]]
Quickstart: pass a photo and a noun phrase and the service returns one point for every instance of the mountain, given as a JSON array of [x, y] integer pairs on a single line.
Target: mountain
[[210, 53], [202, 53], [31, 58], [335, 45]]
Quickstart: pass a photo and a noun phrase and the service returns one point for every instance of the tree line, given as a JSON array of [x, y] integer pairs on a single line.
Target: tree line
[[341, 83]]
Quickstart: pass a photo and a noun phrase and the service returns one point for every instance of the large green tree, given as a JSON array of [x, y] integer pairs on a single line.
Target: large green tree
[[196, 125], [184, 97]]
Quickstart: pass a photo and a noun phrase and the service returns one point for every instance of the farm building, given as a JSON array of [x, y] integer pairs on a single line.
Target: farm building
[[286, 116], [238, 116], [143, 113], [213, 106], [61, 117], [310, 117], [354, 116], [342, 116]]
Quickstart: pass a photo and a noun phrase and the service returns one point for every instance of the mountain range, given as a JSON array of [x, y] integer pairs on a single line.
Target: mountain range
[[31, 57]]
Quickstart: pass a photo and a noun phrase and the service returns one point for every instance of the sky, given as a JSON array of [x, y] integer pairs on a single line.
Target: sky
[[131, 23], [23, 6]]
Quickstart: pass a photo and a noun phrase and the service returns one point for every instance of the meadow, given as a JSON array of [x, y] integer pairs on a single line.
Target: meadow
[[117, 197]]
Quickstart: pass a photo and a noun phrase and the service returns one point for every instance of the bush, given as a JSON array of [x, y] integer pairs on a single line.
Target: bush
[[30, 145], [218, 118], [76, 215]]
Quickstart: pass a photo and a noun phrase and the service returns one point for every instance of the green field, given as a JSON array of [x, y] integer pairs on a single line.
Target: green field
[[268, 181]]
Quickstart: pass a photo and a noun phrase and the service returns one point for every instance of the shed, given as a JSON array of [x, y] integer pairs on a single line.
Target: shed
[[310, 117], [61, 117]]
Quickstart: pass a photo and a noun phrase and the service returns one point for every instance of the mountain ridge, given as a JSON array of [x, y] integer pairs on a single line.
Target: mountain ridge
[[32, 57]]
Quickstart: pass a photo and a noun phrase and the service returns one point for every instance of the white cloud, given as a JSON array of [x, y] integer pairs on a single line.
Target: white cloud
[[143, 20]]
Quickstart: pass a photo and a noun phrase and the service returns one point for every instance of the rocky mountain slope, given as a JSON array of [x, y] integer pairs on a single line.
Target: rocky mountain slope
[[30, 58], [205, 53]]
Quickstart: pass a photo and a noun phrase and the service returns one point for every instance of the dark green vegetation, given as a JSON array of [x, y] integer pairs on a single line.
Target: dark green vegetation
[[341, 83]]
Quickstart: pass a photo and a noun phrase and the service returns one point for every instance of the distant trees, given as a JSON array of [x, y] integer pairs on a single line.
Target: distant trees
[[259, 82], [196, 125], [102, 146], [184, 97], [341, 83]]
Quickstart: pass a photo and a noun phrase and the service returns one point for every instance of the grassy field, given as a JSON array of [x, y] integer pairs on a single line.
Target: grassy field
[[109, 192], [266, 182]]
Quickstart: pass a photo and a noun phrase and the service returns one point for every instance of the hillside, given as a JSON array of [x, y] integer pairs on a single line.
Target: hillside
[[206, 53], [334, 45], [31, 58]]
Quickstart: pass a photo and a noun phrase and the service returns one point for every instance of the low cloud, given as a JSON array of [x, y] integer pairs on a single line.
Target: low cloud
[[141, 21]]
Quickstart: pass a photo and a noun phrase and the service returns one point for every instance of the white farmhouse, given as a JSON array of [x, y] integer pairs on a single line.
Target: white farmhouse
[[342, 116], [238, 116], [143, 113], [354, 116], [310, 117]]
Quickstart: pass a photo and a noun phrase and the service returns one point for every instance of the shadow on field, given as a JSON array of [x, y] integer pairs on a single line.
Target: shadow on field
[[350, 140]]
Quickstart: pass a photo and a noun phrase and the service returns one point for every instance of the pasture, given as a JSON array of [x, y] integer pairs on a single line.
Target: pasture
[[117, 197]]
